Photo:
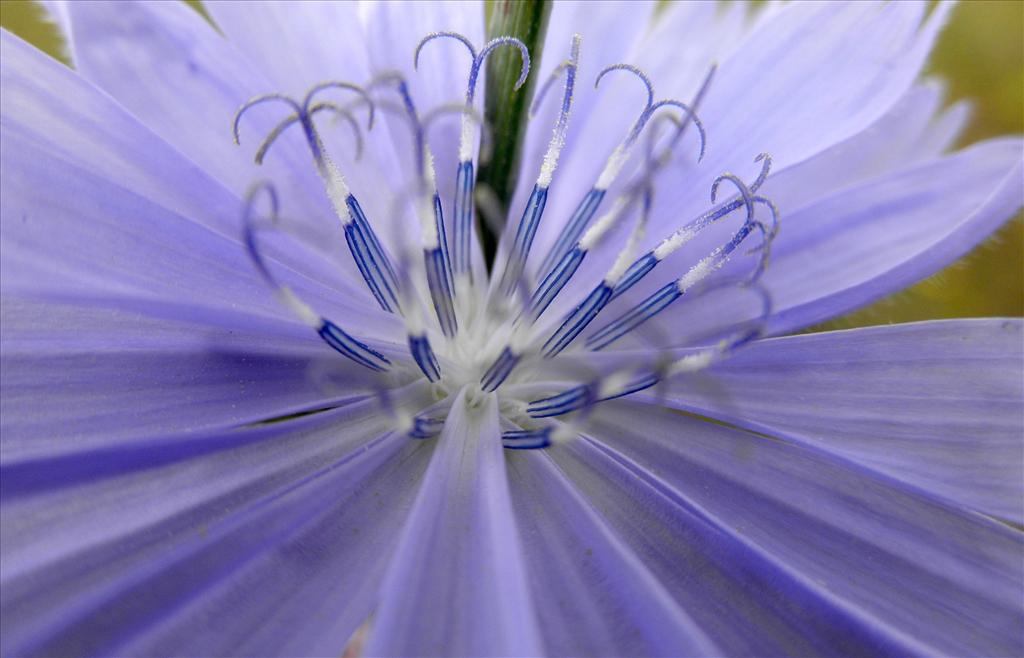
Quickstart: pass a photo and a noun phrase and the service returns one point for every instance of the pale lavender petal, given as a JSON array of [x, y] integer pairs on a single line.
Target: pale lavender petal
[[749, 602], [457, 582], [884, 564], [816, 73], [855, 245], [937, 405], [879, 237], [595, 596], [296, 45], [804, 79], [161, 223], [168, 66], [913, 132], [105, 375], [206, 544], [50, 104]]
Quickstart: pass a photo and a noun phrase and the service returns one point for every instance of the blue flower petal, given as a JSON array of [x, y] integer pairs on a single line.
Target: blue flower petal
[[785, 548], [266, 540], [593, 593], [456, 584], [937, 405], [170, 69]]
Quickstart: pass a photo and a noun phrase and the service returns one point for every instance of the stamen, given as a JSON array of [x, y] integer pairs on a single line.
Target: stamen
[[663, 297], [525, 232], [564, 270], [419, 347], [599, 297], [690, 117], [616, 161], [627, 382], [573, 229], [367, 251], [435, 243], [346, 86], [331, 333], [425, 428], [342, 113], [669, 293], [584, 212], [555, 281], [259, 100], [534, 210], [631, 69], [421, 426], [438, 35], [465, 178], [526, 439], [435, 252], [539, 437], [499, 370], [440, 291], [416, 333], [563, 403], [643, 265]]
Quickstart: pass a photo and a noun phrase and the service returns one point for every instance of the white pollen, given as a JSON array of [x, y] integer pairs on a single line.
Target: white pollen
[[625, 257], [414, 324], [520, 339], [403, 422], [673, 242], [337, 190], [616, 161], [696, 273], [613, 384], [691, 363], [425, 204], [547, 168], [562, 433], [466, 139], [602, 225]]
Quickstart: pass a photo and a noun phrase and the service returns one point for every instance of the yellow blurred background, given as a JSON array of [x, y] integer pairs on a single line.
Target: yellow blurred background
[[981, 55]]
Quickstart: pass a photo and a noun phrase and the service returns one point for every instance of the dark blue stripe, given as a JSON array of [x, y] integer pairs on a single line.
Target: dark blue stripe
[[423, 354], [572, 231], [555, 281], [440, 291], [499, 370], [578, 320], [526, 439], [424, 428], [442, 239], [354, 349], [358, 248], [637, 271], [525, 233], [380, 256], [464, 184], [632, 319]]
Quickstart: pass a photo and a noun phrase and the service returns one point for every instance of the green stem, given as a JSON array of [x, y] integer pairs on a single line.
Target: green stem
[[505, 110]]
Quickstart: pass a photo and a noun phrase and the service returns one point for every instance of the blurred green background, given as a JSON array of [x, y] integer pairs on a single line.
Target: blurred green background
[[981, 55]]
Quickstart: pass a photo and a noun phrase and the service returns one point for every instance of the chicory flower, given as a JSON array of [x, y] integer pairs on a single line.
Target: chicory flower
[[263, 420]]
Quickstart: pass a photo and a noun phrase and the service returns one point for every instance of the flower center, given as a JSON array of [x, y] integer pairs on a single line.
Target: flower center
[[499, 333]]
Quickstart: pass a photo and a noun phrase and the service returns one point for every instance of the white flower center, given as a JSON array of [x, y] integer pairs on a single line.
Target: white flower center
[[468, 330]]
